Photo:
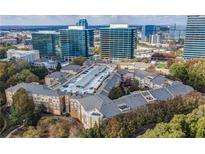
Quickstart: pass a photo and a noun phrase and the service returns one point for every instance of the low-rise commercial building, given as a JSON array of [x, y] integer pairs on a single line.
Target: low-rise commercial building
[[29, 56]]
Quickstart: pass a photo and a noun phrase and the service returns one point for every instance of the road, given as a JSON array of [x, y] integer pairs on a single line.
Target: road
[[9, 135]]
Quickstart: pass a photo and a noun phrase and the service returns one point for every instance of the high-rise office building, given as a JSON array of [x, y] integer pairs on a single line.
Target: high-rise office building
[[154, 39], [194, 46], [82, 22], [75, 42], [117, 42], [47, 42], [149, 30]]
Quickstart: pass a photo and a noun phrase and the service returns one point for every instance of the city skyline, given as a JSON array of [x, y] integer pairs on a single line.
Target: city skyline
[[92, 19]]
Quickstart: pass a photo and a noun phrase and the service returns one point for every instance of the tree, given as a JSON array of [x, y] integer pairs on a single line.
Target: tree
[[41, 71], [115, 93], [97, 51], [23, 76], [1, 122], [94, 132], [196, 74], [3, 48], [190, 125], [22, 107], [31, 132], [179, 71], [58, 130], [53, 127], [79, 61], [191, 72], [162, 111], [58, 67], [2, 98]]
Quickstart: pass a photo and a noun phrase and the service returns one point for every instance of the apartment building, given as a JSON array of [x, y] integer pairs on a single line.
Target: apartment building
[[56, 78], [53, 101], [93, 109]]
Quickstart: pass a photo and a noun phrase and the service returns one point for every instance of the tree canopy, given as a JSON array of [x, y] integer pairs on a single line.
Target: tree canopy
[[190, 125], [129, 123], [55, 126], [191, 72], [78, 61], [22, 107]]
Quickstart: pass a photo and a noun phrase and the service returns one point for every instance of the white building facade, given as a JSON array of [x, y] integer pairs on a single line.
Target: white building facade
[[29, 56]]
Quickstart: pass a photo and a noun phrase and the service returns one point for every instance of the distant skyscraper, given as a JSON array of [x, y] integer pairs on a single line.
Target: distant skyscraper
[[154, 39], [75, 42], [149, 30], [117, 42], [82, 22], [194, 46], [47, 43]]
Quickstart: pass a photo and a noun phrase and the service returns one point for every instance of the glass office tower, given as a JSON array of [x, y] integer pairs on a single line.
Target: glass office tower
[[117, 42], [149, 30], [47, 43], [75, 42], [82, 22], [194, 45]]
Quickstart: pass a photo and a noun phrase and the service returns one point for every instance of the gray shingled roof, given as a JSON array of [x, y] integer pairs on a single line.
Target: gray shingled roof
[[161, 94], [75, 68], [114, 81], [159, 80], [179, 89], [36, 89], [57, 75], [142, 74], [109, 108]]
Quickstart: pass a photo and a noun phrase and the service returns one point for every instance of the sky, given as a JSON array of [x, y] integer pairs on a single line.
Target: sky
[[92, 19]]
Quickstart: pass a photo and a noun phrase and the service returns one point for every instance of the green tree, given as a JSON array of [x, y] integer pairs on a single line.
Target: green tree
[[78, 61], [2, 98], [94, 132], [1, 122], [23, 76], [41, 71], [115, 93], [31, 132], [22, 107], [196, 73], [58, 67], [200, 133], [179, 71], [190, 125]]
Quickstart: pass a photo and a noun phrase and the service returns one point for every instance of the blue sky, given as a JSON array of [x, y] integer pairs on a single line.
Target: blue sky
[[92, 19]]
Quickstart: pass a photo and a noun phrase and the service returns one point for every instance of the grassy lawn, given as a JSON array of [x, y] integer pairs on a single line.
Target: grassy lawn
[[161, 64]]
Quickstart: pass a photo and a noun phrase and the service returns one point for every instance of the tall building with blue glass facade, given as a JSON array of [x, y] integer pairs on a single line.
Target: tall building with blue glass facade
[[75, 41], [194, 45], [47, 42], [117, 42], [150, 30], [82, 22]]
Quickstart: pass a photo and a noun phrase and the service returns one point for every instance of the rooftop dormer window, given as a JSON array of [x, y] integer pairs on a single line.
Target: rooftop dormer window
[[123, 107]]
